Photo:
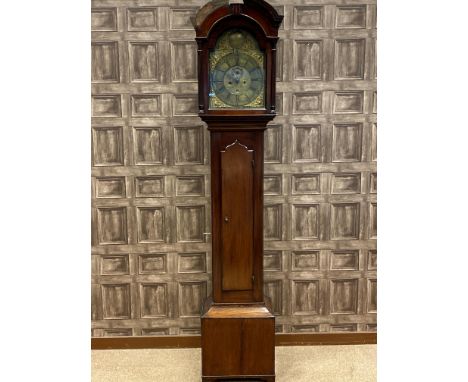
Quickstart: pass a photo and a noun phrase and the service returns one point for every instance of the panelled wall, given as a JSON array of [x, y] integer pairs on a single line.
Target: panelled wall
[[151, 256]]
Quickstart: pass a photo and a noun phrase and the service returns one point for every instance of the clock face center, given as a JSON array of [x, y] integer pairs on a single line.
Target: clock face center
[[237, 80]]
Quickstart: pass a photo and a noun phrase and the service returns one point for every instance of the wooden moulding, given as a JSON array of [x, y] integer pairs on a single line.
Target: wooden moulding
[[283, 339], [238, 311]]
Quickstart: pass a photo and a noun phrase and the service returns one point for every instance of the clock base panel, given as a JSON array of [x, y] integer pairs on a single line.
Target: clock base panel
[[238, 343]]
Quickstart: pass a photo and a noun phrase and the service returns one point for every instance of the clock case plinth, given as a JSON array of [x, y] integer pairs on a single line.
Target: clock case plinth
[[237, 323], [238, 342]]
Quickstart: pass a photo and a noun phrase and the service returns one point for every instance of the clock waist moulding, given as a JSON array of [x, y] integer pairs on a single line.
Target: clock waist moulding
[[236, 85]]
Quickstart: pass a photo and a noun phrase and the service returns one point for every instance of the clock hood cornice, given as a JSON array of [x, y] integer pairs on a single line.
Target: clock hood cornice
[[218, 10]]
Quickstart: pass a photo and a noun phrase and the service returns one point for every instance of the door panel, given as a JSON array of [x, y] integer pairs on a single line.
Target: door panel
[[237, 217]]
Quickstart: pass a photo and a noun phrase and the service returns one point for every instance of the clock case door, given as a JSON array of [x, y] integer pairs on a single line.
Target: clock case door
[[237, 216]]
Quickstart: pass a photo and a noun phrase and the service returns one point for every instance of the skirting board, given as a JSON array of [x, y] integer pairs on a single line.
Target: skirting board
[[103, 343]]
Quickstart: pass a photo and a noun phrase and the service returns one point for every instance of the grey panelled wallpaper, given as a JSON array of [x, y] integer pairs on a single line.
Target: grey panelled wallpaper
[[151, 255]]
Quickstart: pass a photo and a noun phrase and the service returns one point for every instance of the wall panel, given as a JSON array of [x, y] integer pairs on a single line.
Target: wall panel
[[151, 256]]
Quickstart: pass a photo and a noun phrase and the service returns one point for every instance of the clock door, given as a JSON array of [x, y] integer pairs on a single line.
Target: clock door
[[237, 226]]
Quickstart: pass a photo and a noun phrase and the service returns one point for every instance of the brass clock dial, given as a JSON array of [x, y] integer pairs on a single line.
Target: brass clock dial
[[237, 77]]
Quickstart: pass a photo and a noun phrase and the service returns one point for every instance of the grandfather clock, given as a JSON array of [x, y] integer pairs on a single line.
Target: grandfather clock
[[236, 82]]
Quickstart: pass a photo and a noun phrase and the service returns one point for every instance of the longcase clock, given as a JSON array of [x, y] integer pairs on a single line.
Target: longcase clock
[[236, 82]]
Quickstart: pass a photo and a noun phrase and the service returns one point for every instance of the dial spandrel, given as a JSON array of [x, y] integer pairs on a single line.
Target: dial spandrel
[[237, 76]]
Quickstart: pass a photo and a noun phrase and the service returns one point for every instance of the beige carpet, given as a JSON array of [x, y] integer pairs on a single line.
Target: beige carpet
[[350, 363]]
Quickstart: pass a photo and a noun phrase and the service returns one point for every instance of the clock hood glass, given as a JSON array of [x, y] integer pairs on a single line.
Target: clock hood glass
[[237, 76]]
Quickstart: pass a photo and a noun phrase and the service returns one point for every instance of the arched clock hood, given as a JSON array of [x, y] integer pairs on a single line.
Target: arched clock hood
[[261, 20]]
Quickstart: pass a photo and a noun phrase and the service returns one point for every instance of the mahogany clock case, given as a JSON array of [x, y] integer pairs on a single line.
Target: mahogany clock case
[[237, 325]]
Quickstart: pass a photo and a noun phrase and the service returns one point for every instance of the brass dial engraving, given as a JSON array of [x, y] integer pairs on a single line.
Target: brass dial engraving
[[237, 77]]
